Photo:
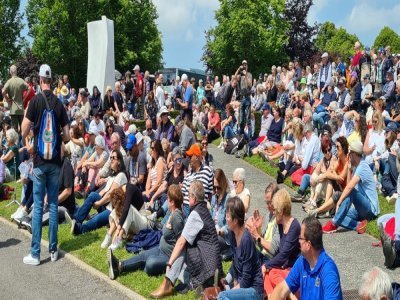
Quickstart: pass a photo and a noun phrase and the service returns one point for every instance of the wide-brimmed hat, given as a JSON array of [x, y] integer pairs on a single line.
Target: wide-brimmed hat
[[64, 91], [356, 146]]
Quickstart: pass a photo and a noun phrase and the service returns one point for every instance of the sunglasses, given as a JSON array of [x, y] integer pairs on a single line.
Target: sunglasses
[[149, 129], [236, 181], [204, 144], [178, 160], [109, 126], [113, 158], [327, 151]]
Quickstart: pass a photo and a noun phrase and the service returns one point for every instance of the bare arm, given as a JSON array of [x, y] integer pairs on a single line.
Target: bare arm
[[280, 292], [66, 136], [180, 244], [347, 190], [64, 195]]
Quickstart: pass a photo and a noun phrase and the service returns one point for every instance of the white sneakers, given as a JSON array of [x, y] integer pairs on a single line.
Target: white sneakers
[[54, 256], [107, 241], [19, 214], [117, 244], [29, 260]]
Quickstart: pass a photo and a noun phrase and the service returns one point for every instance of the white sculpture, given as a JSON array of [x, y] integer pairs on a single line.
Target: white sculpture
[[101, 61]]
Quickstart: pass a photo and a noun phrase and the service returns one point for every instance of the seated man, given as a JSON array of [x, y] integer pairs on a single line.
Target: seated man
[[315, 274], [199, 238], [359, 192]]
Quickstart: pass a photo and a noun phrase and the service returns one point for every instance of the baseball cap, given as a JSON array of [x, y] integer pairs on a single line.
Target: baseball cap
[[391, 127], [244, 62], [45, 71], [136, 68], [194, 150], [164, 110], [131, 141], [83, 92], [184, 77], [266, 106], [356, 146], [324, 55], [139, 138]]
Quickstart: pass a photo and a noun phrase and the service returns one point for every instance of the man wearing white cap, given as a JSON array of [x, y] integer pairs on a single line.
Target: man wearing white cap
[[187, 98], [325, 73], [358, 202], [245, 80], [46, 161]]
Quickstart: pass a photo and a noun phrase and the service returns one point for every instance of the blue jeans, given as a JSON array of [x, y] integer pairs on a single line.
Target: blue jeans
[[228, 132], [318, 119], [83, 211], [239, 294], [348, 216], [131, 108], [152, 261], [244, 113], [305, 182], [45, 179]]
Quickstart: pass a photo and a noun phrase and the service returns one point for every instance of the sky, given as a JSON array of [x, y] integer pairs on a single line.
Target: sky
[[182, 23]]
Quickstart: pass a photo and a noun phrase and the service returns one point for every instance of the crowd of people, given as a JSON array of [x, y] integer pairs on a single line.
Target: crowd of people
[[334, 129]]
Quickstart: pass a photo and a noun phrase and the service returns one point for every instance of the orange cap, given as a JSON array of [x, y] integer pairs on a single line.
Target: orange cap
[[194, 150]]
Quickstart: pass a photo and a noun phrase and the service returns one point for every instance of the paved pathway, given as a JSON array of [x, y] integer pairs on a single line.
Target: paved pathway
[[60, 280], [352, 252]]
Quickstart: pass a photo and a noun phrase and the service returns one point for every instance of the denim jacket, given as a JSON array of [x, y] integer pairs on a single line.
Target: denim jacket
[[221, 217]]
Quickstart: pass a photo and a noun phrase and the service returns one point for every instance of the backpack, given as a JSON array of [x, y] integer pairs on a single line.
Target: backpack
[[234, 144], [47, 139]]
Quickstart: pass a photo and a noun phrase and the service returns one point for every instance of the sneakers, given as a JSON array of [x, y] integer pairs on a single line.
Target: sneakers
[[29, 260], [296, 197], [68, 218], [54, 255], [27, 224], [15, 213], [280, 177], [106, 242], [392, 199], [19, 214], [362, 227], [73, 223], [329, 227], [113, 263], [389, 250], [116, 244]]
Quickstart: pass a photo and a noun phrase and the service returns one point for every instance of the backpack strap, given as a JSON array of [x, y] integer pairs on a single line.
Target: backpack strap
[[45, 100]]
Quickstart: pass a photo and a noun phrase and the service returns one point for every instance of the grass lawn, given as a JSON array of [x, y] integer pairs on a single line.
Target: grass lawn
[[256, 161], [86, 247]]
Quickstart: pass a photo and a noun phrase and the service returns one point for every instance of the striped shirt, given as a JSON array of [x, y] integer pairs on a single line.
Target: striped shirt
[[205, 175]]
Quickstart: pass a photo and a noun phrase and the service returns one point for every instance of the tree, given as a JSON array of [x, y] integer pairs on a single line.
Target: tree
[[325, 33], [388, 37], [11, 41], [254, 30], [27, 64], [59, 29], [335, 41], [300, 33]]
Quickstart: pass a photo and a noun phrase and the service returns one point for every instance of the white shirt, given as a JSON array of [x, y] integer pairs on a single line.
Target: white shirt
[[160, 96], [96, 128]]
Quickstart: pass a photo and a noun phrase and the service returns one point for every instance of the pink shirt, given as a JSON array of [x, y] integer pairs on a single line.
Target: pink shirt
[[214, 119]]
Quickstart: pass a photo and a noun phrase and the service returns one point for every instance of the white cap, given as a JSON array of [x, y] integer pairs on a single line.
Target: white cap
[[244, 62], [324, 55], [139, 137], [164, 110], [136, 68], [356, 146], [184, 77], [45, 71]]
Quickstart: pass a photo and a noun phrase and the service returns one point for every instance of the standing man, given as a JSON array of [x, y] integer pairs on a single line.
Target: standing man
[[13, 93], [129, 93], [139, 93], [314, 273], [187, 98], [245, 80], [325, 74], [45, 172]]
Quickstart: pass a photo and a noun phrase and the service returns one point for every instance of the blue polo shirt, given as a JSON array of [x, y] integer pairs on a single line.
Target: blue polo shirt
[[323, 282]]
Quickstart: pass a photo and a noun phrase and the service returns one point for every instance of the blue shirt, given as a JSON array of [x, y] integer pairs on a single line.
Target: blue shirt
[[322, 282], [188, 97], [367, 186]]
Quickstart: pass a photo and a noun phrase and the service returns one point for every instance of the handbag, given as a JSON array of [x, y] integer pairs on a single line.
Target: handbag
[[211, 293]]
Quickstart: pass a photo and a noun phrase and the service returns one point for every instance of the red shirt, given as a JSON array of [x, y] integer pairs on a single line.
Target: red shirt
[[139, 91], [31, 94], [356, 59]]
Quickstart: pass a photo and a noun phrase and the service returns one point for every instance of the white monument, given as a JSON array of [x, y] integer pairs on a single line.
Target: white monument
[[101, 61]]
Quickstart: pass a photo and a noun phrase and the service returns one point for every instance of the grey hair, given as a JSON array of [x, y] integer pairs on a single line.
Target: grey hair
[[308, 127], [117, 83], [240, 173], [116, 136], [13, 70], [176, 151], [180, 124], [196, 190], [12, 135], [375, 284]]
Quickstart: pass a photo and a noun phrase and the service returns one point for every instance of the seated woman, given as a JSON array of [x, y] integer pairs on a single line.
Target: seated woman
[[240, 190], [246, 269], [154, 260], [267, 240], [277, 268], [9, 161], [95, 162], [337, 176], [75, 146], [100, 201], [157, 173], [228, 126], [214, 125], [321, 186], [218, 208]]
